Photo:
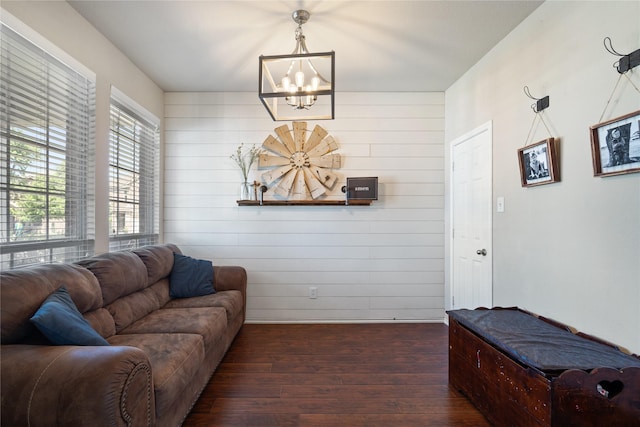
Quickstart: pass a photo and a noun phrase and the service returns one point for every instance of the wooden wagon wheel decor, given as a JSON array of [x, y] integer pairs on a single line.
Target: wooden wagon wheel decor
[[300, 167]]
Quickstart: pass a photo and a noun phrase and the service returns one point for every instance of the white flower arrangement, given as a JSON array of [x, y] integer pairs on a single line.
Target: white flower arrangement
[[246, 159]]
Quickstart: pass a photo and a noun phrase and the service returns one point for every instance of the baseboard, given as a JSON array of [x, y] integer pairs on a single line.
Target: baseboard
[[328, 322]]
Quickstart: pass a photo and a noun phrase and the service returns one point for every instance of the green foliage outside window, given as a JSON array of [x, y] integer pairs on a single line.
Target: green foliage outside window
[[37, 193]]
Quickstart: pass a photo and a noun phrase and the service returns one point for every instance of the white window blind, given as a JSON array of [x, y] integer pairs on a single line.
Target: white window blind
[[47, 112], [134, 160]]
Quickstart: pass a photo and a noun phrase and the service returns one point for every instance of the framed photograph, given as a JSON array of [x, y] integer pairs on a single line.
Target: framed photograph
[[362, 188], [615, 146], [539, 163]]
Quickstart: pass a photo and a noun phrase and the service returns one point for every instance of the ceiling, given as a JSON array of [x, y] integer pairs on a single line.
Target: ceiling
[[393, 45]]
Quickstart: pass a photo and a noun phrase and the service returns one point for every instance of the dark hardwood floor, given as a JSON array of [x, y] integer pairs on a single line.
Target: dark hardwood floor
[[335, 375]]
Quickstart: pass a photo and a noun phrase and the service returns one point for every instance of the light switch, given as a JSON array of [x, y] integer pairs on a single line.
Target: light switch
[[500, 204]]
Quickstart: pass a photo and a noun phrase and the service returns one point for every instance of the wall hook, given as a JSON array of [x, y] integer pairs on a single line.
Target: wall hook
[[540, 104], [610, 48], [626, 62]]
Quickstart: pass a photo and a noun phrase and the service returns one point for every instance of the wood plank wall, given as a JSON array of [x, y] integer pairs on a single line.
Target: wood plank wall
[[369, 264]]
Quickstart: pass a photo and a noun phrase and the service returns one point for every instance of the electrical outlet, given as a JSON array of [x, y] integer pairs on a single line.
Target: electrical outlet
[[313, 292]]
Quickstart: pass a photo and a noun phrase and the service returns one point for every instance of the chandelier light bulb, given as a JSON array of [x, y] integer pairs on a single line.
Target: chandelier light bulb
[[286, 81], [315, 82], [300, 79]]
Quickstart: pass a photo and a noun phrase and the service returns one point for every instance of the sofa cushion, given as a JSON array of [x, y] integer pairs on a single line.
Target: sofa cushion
[[157, 259], [231, 301], [128, 309], [190, 277], [175, 359], [208, 322], [119, 273], [24, 290], [60, 321], [101, 321]]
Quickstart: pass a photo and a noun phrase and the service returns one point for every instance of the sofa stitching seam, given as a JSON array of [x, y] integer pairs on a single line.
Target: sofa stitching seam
[[123, 408], [35, 386]]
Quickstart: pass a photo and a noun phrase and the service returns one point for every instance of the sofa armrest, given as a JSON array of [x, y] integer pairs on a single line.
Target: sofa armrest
[[72, 385], [228, 277]]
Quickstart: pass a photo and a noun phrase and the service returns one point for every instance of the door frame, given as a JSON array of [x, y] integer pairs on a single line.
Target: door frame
[[449, 291]]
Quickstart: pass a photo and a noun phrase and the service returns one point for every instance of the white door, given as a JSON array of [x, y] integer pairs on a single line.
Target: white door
[[471, 208]]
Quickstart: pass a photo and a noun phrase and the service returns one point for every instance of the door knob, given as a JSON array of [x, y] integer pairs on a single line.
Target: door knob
[[482, 252]]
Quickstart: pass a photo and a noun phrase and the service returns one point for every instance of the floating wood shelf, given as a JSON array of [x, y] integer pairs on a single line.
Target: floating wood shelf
[[304, 203]]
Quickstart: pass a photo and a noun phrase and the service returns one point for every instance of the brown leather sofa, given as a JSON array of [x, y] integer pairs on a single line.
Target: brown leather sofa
[[161, 352]]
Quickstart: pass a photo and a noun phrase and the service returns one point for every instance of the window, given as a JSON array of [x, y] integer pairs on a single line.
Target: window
[[133, 176], [46, 147]]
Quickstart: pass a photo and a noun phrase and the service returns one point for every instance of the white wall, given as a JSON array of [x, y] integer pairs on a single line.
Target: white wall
[[61, 25], [569, 250], [371, 263]]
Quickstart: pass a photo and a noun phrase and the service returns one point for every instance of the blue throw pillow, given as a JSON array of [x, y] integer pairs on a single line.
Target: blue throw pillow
[[60, 321], [190, 277]]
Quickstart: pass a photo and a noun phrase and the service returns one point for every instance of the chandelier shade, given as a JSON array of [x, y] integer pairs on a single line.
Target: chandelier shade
[[300, 85]]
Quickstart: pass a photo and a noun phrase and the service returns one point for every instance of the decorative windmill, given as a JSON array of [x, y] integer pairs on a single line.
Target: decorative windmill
[[300, 166]]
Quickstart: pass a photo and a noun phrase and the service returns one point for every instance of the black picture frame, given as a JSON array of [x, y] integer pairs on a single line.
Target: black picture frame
[[362, 188]]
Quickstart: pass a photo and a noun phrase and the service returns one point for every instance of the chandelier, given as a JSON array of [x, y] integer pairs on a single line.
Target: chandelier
[[298, 86]]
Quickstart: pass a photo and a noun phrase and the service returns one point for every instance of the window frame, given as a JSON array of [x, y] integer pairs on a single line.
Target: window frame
[[27, 118], [139, 142]]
